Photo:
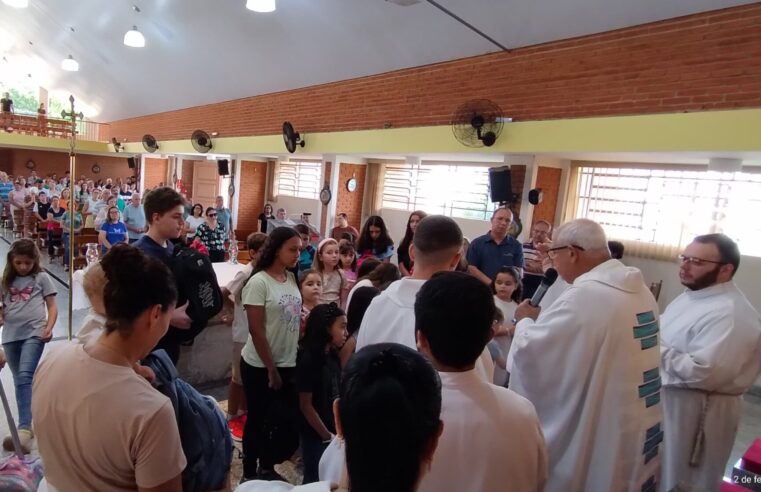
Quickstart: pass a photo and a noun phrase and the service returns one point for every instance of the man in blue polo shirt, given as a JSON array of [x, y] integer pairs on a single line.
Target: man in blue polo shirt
[[495, 249], [6, 186]]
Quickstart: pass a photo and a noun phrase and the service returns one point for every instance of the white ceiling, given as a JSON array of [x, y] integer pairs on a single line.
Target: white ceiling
[[201, 51]]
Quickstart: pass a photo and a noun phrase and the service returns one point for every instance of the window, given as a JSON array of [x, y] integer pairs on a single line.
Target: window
[[658, 211], [457, 190], [300, 179]]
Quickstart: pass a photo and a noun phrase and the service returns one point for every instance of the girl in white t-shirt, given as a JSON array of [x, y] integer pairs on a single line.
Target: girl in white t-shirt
[[326, 263], [507, 290]]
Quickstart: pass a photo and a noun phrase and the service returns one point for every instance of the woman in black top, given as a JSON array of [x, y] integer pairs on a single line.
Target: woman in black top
[[405, 262], [264, 217]]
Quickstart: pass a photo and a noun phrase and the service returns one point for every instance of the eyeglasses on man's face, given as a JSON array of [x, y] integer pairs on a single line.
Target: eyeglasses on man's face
[[552, 252], [692, 260]]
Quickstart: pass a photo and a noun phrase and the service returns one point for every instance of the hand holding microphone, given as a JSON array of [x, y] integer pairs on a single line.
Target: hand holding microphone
[[530, 307]]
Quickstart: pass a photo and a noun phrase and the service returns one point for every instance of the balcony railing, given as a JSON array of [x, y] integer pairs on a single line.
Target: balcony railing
[[51, 127]]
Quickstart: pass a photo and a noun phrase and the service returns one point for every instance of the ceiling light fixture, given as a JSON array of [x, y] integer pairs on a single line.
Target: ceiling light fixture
[[19, 4], [261, 5], [134, 38], [70, 64]]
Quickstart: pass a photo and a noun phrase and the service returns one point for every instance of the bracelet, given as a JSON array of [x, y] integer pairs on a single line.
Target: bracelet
[[514, 321]]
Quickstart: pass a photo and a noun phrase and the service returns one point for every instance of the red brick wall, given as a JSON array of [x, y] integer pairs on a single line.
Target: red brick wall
[[351, 203], [155, 172], [251, 195], [548, 179], [13, 161], [700, 62]]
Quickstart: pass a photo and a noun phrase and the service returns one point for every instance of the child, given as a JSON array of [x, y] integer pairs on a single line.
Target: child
[[374, 241], [318, 374], [326, 264], [306, 257], [310, 286], [29, 314], [236, 405], [507, 290], [348, 257], [354, 316], [497, 355]]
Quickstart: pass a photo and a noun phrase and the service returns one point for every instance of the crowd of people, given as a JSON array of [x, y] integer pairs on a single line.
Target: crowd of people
[[386, 377]]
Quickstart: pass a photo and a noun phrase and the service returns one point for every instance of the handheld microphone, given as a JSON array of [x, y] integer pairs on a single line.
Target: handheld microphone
[[549, 278]]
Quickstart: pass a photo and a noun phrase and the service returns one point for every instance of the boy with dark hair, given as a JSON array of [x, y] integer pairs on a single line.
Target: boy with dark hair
[[163, 213], [492, 429]]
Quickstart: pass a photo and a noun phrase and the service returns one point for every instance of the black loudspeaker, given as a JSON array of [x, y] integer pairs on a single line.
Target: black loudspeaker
[[535, 196], [223, 168], [131, 162], [501, 185]]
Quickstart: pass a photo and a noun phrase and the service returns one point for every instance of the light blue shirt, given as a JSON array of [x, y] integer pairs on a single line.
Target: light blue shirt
[[134, 217]]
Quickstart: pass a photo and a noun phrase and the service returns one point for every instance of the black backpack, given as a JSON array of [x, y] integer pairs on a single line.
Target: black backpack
[[196, 284]]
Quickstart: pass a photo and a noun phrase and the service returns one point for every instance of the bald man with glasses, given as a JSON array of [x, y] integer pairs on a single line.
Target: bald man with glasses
[[710, 355]]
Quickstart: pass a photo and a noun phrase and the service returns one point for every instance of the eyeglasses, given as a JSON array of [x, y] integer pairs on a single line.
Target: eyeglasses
[[552, 252], [696, 261], [212, 215]]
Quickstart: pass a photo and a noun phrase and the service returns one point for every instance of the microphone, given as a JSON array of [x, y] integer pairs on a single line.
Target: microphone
[[549, 278]]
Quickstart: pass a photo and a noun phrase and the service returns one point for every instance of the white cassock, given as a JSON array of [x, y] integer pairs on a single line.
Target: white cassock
[[590, 366], [711, 355]]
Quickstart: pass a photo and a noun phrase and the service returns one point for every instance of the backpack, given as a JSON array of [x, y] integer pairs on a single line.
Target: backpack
[[204, 433], [196, 284]]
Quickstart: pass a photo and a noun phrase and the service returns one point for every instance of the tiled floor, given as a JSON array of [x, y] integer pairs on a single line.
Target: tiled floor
[[750, 425]]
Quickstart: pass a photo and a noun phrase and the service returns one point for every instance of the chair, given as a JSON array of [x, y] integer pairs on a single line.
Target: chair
[[243, 257], [32, 230], [655, 288]]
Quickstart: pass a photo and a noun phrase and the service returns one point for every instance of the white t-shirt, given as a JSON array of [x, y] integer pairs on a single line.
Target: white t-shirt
[[100, 426], [240, 320], [282, 317], [503, 342], [193, 223]]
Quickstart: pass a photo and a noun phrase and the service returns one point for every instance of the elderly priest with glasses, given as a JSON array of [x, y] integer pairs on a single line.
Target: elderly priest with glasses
[[589, 364], [711, 355]]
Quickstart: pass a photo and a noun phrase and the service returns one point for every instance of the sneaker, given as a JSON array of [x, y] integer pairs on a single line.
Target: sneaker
[[269, 474], [237, 425], [25, 437]]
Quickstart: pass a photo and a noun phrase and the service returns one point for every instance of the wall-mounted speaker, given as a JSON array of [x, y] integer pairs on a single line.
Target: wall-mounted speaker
[[131, 162], [223, 167], [501, 185]]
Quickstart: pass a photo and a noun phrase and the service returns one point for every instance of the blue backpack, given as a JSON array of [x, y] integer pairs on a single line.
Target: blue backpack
[[204, 433]]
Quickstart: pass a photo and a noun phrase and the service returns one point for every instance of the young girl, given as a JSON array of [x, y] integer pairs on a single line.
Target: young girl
[[507, 290], [374, 241], [310, 286], [348, 262], [236, 405], [405, 262], [326, 264], [29, 314], [354, 315], [318, 374]]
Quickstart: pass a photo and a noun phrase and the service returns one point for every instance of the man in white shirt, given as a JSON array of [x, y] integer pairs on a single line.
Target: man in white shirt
[[710, 346], [134, 218], [590, 365], [491, 431]]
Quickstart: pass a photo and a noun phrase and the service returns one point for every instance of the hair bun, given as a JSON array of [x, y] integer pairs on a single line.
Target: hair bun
[[123, 262]]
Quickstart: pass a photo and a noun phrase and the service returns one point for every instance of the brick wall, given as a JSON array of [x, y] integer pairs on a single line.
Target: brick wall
[[351, 203], [155, 172], [13, 162], [548, 179], [251, 195], [700, 62]]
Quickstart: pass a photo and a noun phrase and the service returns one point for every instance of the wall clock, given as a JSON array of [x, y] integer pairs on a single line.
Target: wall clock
[[30, 164], [325, 195], [351, 184], [95, 169]]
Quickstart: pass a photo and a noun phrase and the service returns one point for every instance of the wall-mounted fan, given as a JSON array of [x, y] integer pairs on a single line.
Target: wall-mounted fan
[[201, 141], [291, 137], [149, 143], [477, 123]]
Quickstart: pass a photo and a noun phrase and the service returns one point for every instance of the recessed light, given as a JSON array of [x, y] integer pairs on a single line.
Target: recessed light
[[261, 5], [134, 38], [70, 64]]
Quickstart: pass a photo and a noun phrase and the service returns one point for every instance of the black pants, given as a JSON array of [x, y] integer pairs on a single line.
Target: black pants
[[259, 396]]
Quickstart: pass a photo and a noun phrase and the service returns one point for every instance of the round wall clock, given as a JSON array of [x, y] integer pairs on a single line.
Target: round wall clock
[[95, 169], [325, 195], [30, 164], [351, 184]]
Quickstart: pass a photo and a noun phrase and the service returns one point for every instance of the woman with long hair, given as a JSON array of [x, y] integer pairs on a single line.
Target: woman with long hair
[[272, 302], [405, 262], [374, 241]]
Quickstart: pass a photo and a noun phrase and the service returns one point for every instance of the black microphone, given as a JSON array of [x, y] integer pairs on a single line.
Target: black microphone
[[549, 278]]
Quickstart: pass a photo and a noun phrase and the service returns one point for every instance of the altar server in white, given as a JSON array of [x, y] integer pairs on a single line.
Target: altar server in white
[[488, 429], [590, 366], [711, 355]]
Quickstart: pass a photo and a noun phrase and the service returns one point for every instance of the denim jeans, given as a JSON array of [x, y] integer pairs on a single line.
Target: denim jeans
[[65, 239], [312, 448], [23, 357]]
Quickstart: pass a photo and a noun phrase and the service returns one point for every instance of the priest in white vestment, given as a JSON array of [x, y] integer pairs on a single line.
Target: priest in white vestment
[[711, 355], [590, 365]]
